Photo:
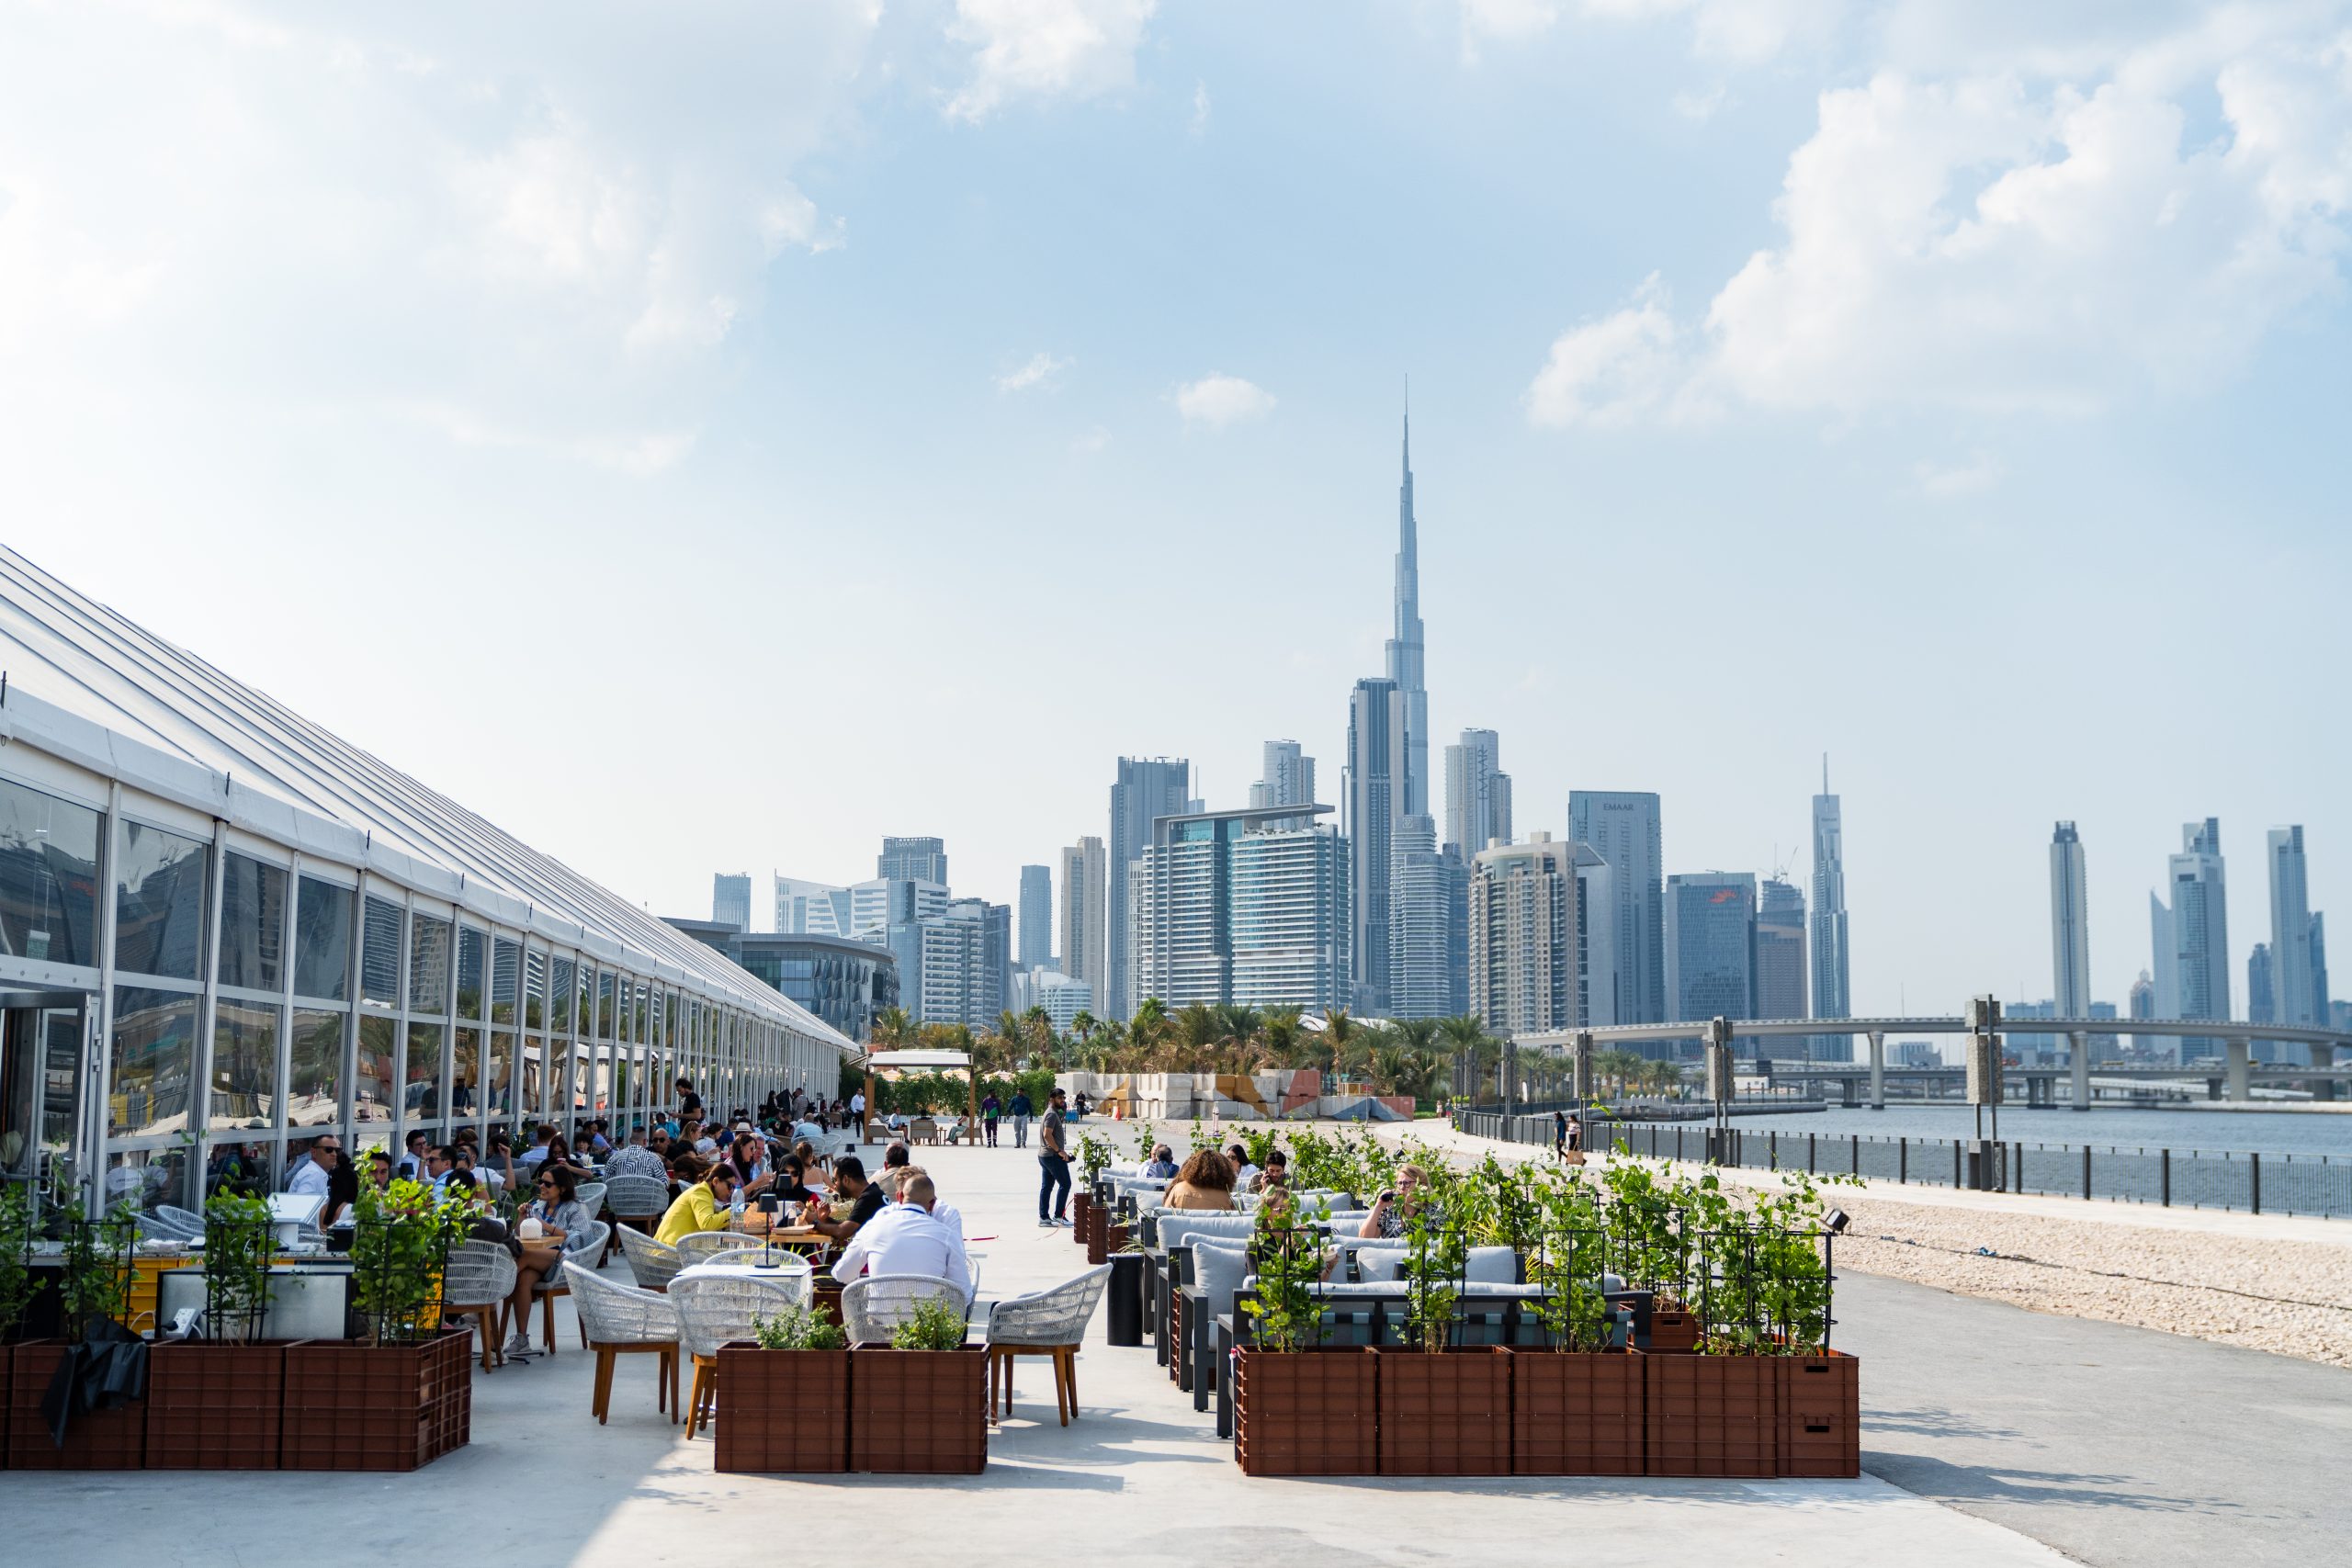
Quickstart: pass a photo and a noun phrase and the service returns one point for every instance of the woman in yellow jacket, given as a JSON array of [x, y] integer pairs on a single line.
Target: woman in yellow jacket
[[701, 1207]]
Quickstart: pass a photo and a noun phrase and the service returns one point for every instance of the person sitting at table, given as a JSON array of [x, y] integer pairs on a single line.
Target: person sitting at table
[[647, 1158], [703, 1206], [1277, 1171], [895, 1160], [560, 1213], [944, 1213], [909, 1237], [865, 1199], [792, 1181], [750, 1157], [811, 1162], [1393, 1210], [379, 1170], [1162, 1164], [1205, 1183]]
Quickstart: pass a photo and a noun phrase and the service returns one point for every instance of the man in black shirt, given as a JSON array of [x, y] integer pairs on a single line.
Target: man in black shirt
[[865, 1198]]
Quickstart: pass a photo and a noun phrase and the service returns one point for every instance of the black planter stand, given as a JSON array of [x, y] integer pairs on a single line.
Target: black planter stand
[[1126, 1298]]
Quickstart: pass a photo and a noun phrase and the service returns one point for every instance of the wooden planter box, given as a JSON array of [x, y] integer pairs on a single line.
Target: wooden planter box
[[1712, 1414], [1576, 1412], [783, 1411], [1673, 1330], [215, 1407], [351, 1405], [1098, 1234], [1081, 1204], [919, 1412], [826, 1300], [1443, 1413], [1821, 1414], [103, 1440], [1305, 1411]]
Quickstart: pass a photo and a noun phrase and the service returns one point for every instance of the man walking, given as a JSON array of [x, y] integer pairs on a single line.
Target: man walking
[[1559, 1135], [1053, 1165], [1020, 1113]]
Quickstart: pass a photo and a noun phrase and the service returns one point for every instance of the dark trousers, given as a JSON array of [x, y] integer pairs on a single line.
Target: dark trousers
[[988, 1123], [1053, 1186]]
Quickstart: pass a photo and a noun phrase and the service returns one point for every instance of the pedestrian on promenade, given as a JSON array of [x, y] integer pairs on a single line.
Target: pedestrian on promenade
[[1022, 1110], [1053, 1165], [991, 1111], [1559, 1135]]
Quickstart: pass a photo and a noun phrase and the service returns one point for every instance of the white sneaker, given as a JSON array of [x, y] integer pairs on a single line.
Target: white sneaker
[[519, 1348]]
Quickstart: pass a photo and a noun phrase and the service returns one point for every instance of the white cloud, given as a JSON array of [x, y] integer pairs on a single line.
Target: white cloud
[[1039, 371], [1093, 441], [1199, 124], [1743, 32], [1612, 370], [1217, 399], [1077, 48], [1951, 482]]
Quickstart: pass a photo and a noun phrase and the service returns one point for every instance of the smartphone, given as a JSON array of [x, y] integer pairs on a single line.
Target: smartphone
[[1389, 1196]]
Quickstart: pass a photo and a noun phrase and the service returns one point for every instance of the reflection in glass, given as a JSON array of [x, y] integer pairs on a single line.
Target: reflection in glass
[[159, 903], [422, 1094], [602, 1099], [465, 1075], [252, 923], [500, 1086], [311, 1096], [534, 1057], [471, 946], [560, 1090], [607, 1015], [535, 990], [380, 953], [505, 974], [237, 1167], [152, 1061], [560, 990], [147, 1178], [244, 1066], [379, 1062], [428, 964], [624, 1077], [322, 940], [49, 878]]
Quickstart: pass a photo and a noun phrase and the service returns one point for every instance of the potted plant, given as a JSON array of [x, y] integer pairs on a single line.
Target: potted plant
[[787, 1396], [1088, 1217], [216, 1403], [94, 1293], [1648, 1232], [401, 1395], [1444, 1408], [18, 1283], [1300, 1407], [1576, 1403], [919, 1404]]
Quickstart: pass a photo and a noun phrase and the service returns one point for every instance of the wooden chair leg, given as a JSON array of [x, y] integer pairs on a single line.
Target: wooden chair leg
[[581, 1324], [605, 1359], [484, 1328], [1062, 1374], [546, 1322]]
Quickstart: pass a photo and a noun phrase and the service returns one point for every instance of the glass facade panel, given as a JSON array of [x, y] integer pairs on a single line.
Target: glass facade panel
[[159, 903], [379, 954], [153, 1060], [371, 1098], [607, 1014], [560, 990], [322, 940], [500, 1087], [236, 1168], [505, 980], [428, 965], [422, 1094], [244, 1066], [473, 952], [252, 923], [49, 878], [535, 990], [312, 1098], [147, 1178], [531, 1093], [465, 1075]]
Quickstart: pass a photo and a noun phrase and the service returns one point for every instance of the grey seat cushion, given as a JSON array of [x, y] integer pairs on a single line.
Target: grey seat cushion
[[1492, 1265], [1219, 1271], [1379, 1261]]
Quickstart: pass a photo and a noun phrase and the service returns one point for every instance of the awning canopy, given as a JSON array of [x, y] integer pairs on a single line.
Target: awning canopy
[[883, 1061]]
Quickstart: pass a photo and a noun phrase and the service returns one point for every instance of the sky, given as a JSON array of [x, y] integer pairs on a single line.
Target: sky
[[710, 438]]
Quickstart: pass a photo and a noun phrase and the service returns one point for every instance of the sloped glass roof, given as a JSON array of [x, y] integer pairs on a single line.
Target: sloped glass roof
[[68, 650]]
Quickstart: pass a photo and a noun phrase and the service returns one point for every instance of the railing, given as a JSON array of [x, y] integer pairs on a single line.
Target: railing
[[2193, 1178]]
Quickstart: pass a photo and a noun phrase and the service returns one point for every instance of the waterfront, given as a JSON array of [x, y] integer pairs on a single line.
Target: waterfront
[[2235, 1132]]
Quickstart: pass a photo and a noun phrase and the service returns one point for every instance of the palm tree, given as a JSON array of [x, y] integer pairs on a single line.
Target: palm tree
[[1472, 1049], [894, 1030]]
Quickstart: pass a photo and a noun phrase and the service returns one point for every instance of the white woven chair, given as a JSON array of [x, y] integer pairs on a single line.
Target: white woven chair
[[636, 1198], [787, 1266], [873, 1307], [714, 1310], [591, 1197], [652, 1263], [622, 1320], [475, 1284], [1044, 1323], [704, 1245], [585, 1245], [184, 1221]]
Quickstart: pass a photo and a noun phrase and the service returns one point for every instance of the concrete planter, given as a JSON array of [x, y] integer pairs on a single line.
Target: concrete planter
[[917, 1412], [1443, 1413], [1305, 1411], [1577, 1413], [783, 1411]]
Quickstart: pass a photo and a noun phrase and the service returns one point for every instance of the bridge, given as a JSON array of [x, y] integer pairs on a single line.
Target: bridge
[[2234, 1079]]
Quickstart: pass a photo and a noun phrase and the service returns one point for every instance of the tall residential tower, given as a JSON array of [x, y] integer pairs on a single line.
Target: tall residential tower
[[2070, 925], [1831, 998], [1621, 826]]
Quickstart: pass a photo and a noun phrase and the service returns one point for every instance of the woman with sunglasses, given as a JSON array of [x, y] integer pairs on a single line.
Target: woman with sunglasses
[[560, 1213]]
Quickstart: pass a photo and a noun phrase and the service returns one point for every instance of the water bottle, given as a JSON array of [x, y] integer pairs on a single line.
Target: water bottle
[[736, 1205]]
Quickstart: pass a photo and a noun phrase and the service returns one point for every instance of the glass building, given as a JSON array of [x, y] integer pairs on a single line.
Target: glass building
[[843, 982], [224, 932]]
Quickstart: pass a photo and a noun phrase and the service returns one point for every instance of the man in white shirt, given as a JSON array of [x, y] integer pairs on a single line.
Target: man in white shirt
[[857, 1105], [908, 1237], [310, 1178]]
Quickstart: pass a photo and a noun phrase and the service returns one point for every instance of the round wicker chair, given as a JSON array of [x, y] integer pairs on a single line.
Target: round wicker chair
[[475, 1284], [1044, 1323], [873, 1307], [621, 1320], [704, 1245], [713, 1311], [654, 1263]]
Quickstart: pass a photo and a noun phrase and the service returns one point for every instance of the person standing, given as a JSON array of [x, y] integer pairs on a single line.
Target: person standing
[[991, 1111], [1022, 1110], [1560, 1135], [1053, 1165]]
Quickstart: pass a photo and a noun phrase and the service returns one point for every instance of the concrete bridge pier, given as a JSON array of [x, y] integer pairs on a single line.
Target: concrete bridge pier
[[2239, 1062], [1849, 1096], [2081, 1042], [1878, 1069]]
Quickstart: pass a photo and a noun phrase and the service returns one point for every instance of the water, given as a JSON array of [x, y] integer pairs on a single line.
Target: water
[[2256, 1131]]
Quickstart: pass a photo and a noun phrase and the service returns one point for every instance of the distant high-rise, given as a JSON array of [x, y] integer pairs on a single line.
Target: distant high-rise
[[1427, 907], [2323, 1004], [1404, 650], [2261, 986], [1288, 779], [812, 909], [876, 906], [955, 966], [1780, 953], [913, 860], [2191, 936], [1036, 917], [1477, 794], [1831, 997], [2143, 1001], [1621, 826], [1084, 901], [1146, 789], [2290, 931], [1241, 909], [1525, 973], [2070, 925], [1710, 945], [1597, 972], [730, 900], [1371, 803]]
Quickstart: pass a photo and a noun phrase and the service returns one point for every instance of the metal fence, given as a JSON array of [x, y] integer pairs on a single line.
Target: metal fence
[[2188, 1179]]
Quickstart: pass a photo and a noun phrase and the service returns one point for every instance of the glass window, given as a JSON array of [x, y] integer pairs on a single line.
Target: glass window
[[313, 1097], [159, 903], [236, 1168], [371, 1099], [505, 976], [149, 1177], [560, 990], [465, 1077], [534, 1057], [49, 878], [379, 954], [322, 940], [422, 1094], [252, 923], [428, 965], [499, 1087], [153, 1058], [605, 1013], [535, 990], [244, 1066], [472, 945]]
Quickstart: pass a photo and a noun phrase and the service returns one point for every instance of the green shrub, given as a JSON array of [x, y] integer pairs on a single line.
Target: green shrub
[[17, 1284], [798, 1327], [937, 1323], [238, 1245]]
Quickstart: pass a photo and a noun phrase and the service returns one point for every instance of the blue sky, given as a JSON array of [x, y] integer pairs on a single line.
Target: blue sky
[[716, 436]]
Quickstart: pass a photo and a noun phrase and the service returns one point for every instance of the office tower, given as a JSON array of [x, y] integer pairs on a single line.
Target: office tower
[[2190, 935], [1240, 908], [1710, 945], [1780, 957], [1428, 914], [2290, 931], [1830, 995], [913, 860], [2031, 1048], [2261, 993], [730, 900], [812, 909], [1036, 917], [2143, 1000], [1147, 788], [875, 906], [1621, 826], [1477, 794], [1063, 999], [1596, 940], [1083, 907], [2322, 1008], [1525, 973], [1288, 780], [1371, 804], [953, 965], [1405, 651], [2070, 925]]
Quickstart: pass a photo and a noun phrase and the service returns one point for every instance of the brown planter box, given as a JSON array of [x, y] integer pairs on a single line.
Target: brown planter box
[[826, 1300], [1576, 1412], [1712, 1414], [215, 1407], [783, 1411], [1821, 1414], [103, 1440], [1305, 1411], [1115, 1240], [1673, 1330], [1097, 1235], [351, 1405], [1176, 1341], [919, 1412], [1081, 1204], [1446, 1412]]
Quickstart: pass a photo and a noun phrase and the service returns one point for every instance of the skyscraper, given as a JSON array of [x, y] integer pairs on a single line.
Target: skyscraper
[[1831, 998], [1596, 940], [876, 906], [2322, 1005], [1779, 952], [954, 966], [1084, 901], [730, 900], [1242, 908], [2290, 929], [1428, 908], [1525, 973], [2070, 925], [913, 860], [1146, 789], [1372, 800], [1036, 917], [2191, 936], [1621, 826], [812, 909], [1288, 779], [1710, 945], [1404, 650], [2261, 986], [1477, 794]]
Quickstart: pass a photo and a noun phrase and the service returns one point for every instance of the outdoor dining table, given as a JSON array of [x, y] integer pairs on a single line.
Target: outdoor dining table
[[794, 1285]]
